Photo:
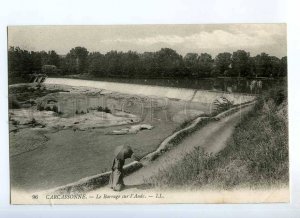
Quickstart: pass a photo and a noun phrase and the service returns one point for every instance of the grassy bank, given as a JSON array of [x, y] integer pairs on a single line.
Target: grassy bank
[[256, 155]]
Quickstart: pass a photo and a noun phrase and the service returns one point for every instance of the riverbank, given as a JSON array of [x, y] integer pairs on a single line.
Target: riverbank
[[66, 155], [255, 156], [50, 149]]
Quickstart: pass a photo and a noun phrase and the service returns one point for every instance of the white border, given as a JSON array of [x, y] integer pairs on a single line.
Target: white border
[[18, 12]]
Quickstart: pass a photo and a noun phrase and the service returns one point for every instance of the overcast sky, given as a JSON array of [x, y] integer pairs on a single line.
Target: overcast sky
[[212, 39]]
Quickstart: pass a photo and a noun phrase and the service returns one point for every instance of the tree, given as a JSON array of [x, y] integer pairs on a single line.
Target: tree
[[275, 66], [148, 65], [263, 65], [14, 60], [53, 58], [44, 58], [68, 64], [129, 63], [241, 63], [36, 61], [160, 64], [283, 67], [205, 65], [20, 62], [169, 62], [96, 64], [222, 64], [113, 63], [78, 56], [191, 62]]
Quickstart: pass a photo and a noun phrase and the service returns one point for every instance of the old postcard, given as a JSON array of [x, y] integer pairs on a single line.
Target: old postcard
[[143, 114]]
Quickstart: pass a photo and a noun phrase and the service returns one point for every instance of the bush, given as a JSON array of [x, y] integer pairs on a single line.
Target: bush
[[14, 105], [40, 108], [33, 122], [107, 110], [55, 108], [101, 109], [15, 122], [221, 104]]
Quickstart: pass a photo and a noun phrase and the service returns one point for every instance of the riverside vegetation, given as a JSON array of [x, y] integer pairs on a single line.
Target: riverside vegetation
[[165, 63], [255, 156]]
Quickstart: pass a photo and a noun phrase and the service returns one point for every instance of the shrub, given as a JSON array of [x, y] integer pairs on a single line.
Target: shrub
[[14, 105], [33, 122], [55, 108], [256, 155], [221, 104], [39, 107], [107, 110], [101, 109], [15, 122]]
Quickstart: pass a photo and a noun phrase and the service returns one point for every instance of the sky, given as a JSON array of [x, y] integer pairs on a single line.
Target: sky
[[212, 39]]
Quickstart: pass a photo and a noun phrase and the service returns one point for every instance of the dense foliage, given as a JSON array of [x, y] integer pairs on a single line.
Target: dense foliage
[[256, 156], [164, 63]]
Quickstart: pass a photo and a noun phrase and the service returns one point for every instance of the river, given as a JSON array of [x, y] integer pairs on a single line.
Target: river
[[234, 85]]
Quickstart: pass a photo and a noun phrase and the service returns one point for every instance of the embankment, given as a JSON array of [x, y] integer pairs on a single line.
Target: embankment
[[256, 156], [97, 181]]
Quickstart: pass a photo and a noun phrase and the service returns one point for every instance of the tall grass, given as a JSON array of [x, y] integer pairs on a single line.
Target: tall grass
[[256, 155]]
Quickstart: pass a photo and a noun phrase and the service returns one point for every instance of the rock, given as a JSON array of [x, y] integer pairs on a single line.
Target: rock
[[134, 129], [146, 126], [131, 130], [119, 132]]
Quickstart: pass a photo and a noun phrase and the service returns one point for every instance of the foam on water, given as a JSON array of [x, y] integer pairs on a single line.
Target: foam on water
[[201, 96], [134, 89]]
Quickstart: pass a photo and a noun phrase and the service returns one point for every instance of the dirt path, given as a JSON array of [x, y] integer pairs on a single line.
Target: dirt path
[[212, 139]]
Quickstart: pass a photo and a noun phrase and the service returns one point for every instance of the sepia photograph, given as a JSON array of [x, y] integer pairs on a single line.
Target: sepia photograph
[[148, 114]]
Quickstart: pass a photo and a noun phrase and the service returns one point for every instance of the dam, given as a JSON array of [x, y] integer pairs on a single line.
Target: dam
[[185, 94], [176, 104]]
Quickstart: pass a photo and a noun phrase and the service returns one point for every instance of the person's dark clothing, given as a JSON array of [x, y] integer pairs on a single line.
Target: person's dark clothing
[[116, 178]]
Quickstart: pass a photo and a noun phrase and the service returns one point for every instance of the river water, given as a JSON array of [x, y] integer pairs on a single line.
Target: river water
[[133, 85], [70, 155]]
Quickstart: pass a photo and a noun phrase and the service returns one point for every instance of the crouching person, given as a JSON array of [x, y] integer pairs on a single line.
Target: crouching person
[[116, 178]]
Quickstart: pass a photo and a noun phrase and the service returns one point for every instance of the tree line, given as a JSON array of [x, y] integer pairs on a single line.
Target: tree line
[[165, 63]]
